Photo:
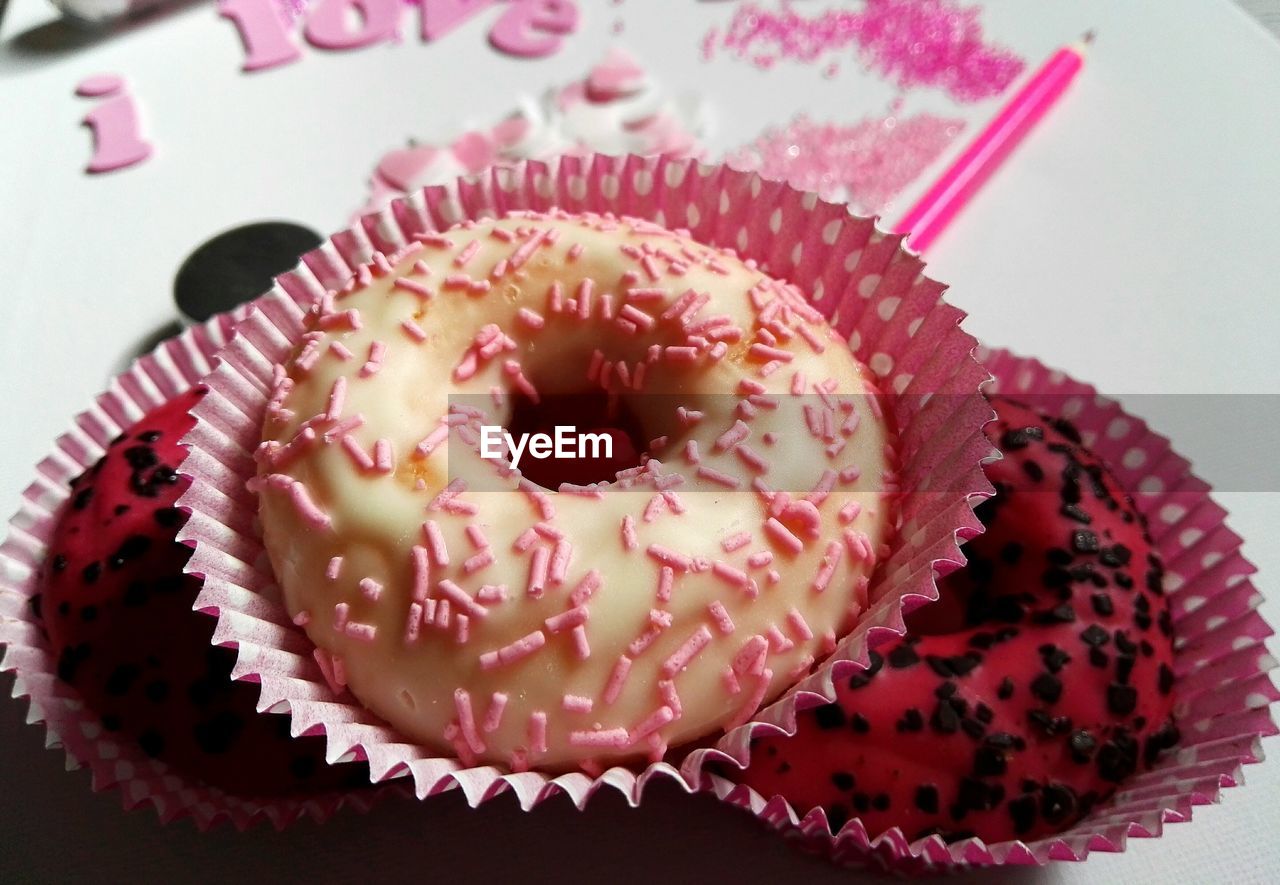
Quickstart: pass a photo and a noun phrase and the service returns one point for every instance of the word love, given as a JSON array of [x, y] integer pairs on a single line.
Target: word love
[[567, 444], [526, 28]]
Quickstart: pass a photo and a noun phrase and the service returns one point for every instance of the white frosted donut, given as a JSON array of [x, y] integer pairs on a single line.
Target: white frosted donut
[[483, 615]]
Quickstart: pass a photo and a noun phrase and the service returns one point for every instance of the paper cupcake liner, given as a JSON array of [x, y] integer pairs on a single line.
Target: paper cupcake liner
[[1222, 690], [860, 277], [173, 367]]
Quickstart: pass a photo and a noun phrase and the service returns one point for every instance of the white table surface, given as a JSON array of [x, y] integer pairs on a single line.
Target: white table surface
[[1132, 241]]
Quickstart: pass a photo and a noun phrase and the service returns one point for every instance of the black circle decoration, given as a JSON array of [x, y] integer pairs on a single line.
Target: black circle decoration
[[237, 266]]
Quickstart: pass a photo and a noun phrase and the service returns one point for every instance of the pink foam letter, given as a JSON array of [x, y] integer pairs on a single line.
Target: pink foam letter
[[266, 36], [518, 31], [439, 17], [117, 130], [329, 24]]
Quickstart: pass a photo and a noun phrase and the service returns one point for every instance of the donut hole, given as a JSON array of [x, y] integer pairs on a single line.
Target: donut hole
[[587, 412]]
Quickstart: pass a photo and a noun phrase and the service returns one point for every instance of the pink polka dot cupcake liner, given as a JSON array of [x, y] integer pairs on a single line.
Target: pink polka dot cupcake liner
[[118, 764], [1223, 691], [870, 288]]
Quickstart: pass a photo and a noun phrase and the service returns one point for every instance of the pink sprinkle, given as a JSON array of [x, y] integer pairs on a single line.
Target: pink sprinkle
[[576, 703], [334, 568], [750, 658], [586, 588], [720, 615], [361, 632], [478, 561], [468, 252], [716, 476], [567, 620], [751, 458], [356, 452], [377, 350], [435, 542], [538, 732], [574, 251], [760, 559], [629, 541], [617, 677], [670, 557], [413, 330], [654, 721], [526, 250], [413, 623], [735, 541], [687, 652], [580, 645], [383, 456], [492, 594], [443, 611], [849, 512], [463, 625], [633, 314], [560, 559], [525, 540], [732, 437], [666, 579], [413, 286], [338, 349], [521, 648], [688, 417], [370, 588], [799, 626], [658, 621], [778, 643], [783, 536], [691, 451], [459, 597], [337, 396], [764, 353], [493, 717], [475, 535], [650, 267], [656, 505], [421, 573], [753, 701], [311, 514], [467, 720], [680, 353], [670, 696], [730, 678], [429, 613], [538, 572], [609, 738], [530, 318], [432, 440], [302, 618], [729, 574]]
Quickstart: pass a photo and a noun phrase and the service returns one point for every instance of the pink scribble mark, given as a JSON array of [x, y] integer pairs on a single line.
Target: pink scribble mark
[[116, 125], [867, 163], [932, 43]]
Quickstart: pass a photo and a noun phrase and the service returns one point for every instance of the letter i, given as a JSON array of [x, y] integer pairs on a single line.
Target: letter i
[[116, 127]]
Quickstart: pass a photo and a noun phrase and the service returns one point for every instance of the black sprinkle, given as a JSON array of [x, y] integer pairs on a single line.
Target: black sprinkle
[[1083, 744], [1095, 635], [927, 798], [859, 723], [91, 572], [1011, 553], [1084, 541], [1076, 512], [1165, 679], [1023, 811], [1121, 699], [1047, 688], [902, 657], [151, 743], [911, 720], [1005, 690], [829, 716], [843, 781]]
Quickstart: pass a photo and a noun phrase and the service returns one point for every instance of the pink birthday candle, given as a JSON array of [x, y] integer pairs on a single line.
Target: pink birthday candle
[[952, 191]]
